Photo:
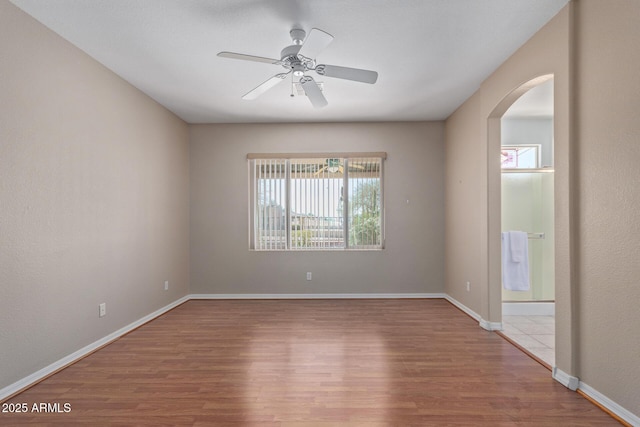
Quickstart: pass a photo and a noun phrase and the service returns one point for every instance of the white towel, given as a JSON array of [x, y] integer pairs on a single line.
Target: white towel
[[518, 244], [515, 261]]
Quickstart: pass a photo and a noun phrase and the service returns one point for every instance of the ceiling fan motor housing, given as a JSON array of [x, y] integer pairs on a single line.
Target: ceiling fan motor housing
[[291, 61]]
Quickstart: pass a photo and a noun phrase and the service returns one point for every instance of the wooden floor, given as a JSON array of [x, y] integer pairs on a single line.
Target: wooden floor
[[309, 363]]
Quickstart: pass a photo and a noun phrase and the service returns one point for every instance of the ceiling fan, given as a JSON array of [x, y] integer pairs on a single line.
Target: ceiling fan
[[299, 58], [331, 166]]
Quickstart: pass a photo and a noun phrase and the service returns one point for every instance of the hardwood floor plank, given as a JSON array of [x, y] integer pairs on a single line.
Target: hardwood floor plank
[[309, 363]]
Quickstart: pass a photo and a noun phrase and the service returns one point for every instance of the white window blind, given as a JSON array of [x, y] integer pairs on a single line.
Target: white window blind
[[365, 191], [316, 203], [271, 204]]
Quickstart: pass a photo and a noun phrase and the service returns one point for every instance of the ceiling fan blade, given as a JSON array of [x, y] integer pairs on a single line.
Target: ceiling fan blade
[[355, 74], [253, 94], [321, 170], [233, 55], [313, 92], [315, 43]]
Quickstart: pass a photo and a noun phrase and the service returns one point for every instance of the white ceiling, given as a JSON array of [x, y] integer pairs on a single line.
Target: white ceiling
[[431, 55]]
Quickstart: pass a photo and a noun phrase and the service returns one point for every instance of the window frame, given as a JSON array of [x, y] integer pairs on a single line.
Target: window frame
[[517, 147], [253, 202]]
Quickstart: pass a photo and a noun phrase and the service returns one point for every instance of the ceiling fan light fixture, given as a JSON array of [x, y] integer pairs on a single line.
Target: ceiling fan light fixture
[[333, 165], [298, 70]]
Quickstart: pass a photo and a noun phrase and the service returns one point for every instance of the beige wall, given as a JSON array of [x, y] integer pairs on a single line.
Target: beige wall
[[93, 199], [596, 193], [473, 165], [608, 159], [466, 189], [413, 258], [545, 55]]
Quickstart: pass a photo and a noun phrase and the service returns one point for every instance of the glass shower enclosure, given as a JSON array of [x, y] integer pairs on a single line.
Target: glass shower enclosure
[[527, 205]]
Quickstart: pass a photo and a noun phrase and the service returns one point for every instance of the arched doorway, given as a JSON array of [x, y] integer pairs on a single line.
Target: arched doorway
[[566, 316], [527, 209]]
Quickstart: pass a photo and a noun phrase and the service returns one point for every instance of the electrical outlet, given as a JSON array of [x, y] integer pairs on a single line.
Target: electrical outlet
[[468, 286], [309, 275], [166, 285], [102, 308]]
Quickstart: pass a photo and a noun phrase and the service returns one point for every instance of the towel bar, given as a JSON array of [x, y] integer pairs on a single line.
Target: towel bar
[[535, 235]]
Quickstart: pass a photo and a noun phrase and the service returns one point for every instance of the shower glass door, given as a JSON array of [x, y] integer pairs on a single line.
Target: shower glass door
[[527, 205]]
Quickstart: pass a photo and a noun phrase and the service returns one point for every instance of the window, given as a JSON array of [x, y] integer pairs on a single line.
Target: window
[[520, 156], [316, 202]]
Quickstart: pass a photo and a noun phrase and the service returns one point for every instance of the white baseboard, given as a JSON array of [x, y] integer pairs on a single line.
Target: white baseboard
[[569, 381], [484, 324], [316, 296], [490, 326], [574, 383], [75, 356], [609, 404], [528, 309]]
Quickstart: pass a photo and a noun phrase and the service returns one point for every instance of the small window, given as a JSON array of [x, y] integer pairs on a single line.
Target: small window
[[303, 202], [520, 156]]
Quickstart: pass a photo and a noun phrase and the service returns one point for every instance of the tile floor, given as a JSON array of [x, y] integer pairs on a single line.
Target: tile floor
[[535, 333]]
